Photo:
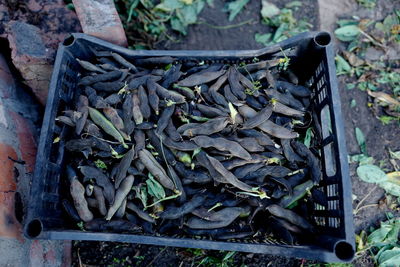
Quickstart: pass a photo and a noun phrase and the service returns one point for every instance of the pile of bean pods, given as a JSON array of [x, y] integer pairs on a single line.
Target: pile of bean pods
[[166, 146]]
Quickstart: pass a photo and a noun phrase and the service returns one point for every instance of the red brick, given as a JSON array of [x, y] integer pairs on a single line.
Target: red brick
[[36, 254], [9, 226], [66, 257], [27, 144], [50, 257], [101, 19]]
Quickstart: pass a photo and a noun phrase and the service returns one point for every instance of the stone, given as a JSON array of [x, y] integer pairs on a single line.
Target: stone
[[30, 57], [34, 31]]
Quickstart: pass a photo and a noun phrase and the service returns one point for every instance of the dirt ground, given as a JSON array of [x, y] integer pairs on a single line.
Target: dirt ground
[[204, 37], [379, 139]]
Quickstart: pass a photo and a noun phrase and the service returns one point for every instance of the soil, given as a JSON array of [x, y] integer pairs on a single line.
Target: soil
[[379, 139], [204, 37], [123, 254]]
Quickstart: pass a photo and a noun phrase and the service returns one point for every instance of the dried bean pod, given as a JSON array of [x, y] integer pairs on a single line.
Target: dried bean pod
[[152, 61], [137, 113], [123, 190], [222, 144], [211, 112], [89, 66], [280, 108], [164, 119], [207, 128], [154, 100], [311, 159], [82, 107], [172, 132], [116, 120], [143, 215], [156, 169], [228, 177], [144, 103], [258, 119], [296, 90], [200, 78], [108, 76], [192, 176], [221, 219], [177, 212], [124, 62], [123, 166], [105, 124], [108, 86], [78, 195], [236, 87], [172, 75], [289, 216], [113, 99], [121, 210], [101, 179], [99, 196]]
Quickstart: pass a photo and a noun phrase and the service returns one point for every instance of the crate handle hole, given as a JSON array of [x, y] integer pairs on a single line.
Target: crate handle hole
[[69, 40], [344, 251], [322, 39], [34, 228]]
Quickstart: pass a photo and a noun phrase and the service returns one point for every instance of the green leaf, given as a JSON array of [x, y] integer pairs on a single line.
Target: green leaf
[[177, 25], [361, 140], [390, 187], [379, 235], [346, 22], [350, 86], [235, 7], [269, 10], [395, 154], [141, 193], [154, 188], [371, 174], [196, 151], [353, 103], [199, 5], [100, 164], [229, 255], [386, 119], [361, 158], [210, 3], [169, 5], [389, 257], [342, 66], [264, 39], [187, 14], [347, 33], [279, 33], [308, 137], [367, 3], [393, 234]]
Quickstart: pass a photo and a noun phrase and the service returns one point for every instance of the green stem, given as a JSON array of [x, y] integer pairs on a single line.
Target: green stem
[[225, 27]]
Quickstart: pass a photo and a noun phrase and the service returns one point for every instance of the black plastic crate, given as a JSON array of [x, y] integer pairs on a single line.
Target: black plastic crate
[[312, 59]]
